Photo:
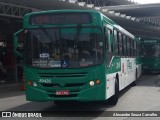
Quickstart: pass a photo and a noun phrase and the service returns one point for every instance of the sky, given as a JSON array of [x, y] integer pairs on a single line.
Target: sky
[[147, 1]]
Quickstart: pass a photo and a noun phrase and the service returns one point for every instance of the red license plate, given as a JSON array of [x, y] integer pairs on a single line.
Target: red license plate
[[62, 92]]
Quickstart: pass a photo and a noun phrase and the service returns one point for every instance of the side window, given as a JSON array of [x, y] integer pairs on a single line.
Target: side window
[[128, 47], [115, 42], [120, 43], [132, 47], [124, 45], [131, 52], [106, 38], [135, 48], [109, 49], [138, 49]]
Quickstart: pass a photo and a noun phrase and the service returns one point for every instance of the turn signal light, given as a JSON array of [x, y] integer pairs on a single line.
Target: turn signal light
[[29, 82], [97, 82]]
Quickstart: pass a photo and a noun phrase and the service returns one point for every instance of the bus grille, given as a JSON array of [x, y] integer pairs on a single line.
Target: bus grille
[[59, 75], [66, 85], [62, 96]]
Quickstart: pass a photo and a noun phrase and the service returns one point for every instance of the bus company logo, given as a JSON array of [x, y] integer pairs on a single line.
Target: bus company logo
[[6, 114], [118, 65], [129, 64]]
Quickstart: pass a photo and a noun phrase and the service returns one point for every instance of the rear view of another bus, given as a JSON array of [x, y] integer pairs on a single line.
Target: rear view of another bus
[[150, 55]]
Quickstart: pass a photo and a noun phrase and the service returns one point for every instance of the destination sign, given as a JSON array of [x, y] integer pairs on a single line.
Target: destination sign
[[60, 18]]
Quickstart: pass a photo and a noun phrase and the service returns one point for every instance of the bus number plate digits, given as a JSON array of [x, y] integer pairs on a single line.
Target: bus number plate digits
[[62, 92]]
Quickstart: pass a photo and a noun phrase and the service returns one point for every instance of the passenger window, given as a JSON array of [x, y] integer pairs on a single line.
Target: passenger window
[[128, 47], [124, 45], [115, 42], [135, 48], [120, 44], [131, 52]]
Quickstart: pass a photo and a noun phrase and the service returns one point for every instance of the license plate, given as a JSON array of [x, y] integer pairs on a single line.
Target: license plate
[[62, 92]]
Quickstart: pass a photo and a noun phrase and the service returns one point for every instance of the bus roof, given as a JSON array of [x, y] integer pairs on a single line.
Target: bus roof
[[115, 25], [62, 10]]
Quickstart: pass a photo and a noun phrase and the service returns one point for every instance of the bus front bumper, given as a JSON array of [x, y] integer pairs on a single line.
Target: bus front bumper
[[95, 93]]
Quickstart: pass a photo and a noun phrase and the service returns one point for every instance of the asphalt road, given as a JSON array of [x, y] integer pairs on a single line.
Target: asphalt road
[[143, 97]]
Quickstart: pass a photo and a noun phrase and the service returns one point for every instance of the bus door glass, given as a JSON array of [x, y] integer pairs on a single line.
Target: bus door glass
[[109, 46]]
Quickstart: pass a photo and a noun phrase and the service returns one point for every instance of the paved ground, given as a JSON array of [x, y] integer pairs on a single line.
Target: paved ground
[[143, 97], [7, 91]]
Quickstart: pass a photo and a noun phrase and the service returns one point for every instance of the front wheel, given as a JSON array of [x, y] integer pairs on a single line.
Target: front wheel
[[114, 99]]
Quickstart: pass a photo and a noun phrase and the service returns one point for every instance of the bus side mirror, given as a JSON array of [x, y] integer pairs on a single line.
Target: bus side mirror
[[16, 49]]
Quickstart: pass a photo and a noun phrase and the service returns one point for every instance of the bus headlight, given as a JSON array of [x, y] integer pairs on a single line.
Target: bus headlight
[[91, 83]]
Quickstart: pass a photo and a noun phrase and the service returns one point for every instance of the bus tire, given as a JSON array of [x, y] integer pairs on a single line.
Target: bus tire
[[114, 99], [134, 83]]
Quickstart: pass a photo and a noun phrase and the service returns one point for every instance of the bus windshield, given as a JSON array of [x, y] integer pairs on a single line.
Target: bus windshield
[[151, 50], [63, 47]]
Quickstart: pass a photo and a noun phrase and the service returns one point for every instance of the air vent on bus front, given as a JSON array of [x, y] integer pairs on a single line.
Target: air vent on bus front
[[66, 85], [62, 96], [58, 75]]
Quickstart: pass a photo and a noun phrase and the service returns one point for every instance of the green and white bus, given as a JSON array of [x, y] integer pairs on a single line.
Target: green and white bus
[[79, 55], [150, 54]]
